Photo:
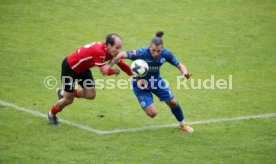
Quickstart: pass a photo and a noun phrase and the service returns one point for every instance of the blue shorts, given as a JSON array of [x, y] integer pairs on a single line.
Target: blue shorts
[[145, 97]]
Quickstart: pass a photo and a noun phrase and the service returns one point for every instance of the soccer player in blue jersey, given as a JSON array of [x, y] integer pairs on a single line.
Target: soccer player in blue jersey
[[155, 55]]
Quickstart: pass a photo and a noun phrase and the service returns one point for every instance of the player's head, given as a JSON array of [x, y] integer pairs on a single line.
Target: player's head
[[113, 44], [156, 45]]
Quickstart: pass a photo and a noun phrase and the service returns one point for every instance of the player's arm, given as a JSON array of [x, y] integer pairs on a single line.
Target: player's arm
[[123, 66], [183, 69], [121, 55]]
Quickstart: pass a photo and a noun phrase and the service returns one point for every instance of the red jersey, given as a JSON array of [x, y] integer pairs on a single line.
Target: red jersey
[[87, 56], [91, 55]]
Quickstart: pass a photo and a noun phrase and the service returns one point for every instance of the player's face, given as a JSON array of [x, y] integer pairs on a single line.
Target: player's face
[[116, 48], [155, 51]]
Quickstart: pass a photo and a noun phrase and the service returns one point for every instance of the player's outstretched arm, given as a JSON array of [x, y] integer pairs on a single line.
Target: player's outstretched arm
[[121, 55], [182, 68], [124, 67]]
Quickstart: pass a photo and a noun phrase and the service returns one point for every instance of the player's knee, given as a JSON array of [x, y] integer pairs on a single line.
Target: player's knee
[[152, 114], [151, 111], [90, 96], [172, 103]]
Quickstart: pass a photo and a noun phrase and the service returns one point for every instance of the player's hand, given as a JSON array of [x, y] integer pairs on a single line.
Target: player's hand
[[187, 75], [104, 69], [116, 71]]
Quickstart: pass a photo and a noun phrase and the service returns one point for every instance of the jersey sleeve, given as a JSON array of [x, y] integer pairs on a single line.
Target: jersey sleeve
[[171, 59], [135, 54], [123, 66]]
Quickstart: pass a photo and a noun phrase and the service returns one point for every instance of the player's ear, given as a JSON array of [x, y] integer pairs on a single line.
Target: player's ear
[[108, 45]]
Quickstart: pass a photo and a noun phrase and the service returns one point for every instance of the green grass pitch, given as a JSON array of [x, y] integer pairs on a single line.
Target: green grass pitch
[[211, 37]]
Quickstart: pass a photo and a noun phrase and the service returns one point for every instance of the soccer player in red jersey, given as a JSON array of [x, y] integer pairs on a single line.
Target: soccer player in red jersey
[[77, 67]]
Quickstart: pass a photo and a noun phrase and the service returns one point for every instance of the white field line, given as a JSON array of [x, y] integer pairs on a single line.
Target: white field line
[[151, 127], [45, 116]]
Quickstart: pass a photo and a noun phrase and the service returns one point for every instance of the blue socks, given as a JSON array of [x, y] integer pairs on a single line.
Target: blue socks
[[177, 112]]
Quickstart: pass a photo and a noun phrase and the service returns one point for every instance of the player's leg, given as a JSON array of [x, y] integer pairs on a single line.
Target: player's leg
[[67, 99], [176, 110], [67, 78], [146, 101], [79, 93], [178, 113], [151, 110], [164, 93], [87, 89], [89, 94]]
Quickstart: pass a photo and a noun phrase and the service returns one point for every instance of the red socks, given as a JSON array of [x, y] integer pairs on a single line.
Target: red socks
[[76, 93], [54, 110]]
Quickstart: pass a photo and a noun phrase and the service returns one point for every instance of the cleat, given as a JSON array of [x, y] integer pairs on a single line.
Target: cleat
[[53, 120], [186, 128], [60, 93]]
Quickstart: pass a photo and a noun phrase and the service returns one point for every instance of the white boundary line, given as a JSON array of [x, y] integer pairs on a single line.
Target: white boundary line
[[151, 127], [45, 116]]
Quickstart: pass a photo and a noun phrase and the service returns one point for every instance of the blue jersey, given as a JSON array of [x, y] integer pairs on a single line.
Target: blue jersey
[[154, 63], [159, 87]]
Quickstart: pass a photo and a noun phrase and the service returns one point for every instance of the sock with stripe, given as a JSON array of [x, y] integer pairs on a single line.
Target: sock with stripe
[[53, 111], [76, 93]]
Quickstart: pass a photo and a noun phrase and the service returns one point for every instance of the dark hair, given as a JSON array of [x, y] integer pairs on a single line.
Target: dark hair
[[110, 39], [158, 39]]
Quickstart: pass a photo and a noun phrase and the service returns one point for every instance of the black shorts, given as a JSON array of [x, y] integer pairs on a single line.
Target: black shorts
[[70, 77]]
